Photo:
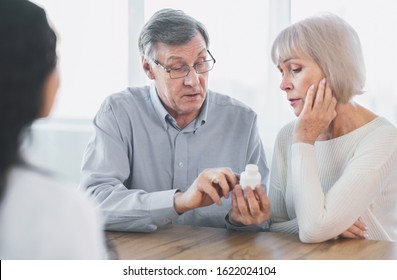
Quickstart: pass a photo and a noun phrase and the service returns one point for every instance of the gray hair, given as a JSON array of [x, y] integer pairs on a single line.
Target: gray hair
[[170, 27], [333, 44]]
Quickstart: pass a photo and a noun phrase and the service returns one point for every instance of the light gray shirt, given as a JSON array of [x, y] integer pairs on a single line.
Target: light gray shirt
[[139, 157]]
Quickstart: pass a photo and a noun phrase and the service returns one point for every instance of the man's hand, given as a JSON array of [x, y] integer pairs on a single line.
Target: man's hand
[[251, 209], [208, 188]]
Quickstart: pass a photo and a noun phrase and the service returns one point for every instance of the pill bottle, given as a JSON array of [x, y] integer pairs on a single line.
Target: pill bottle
[[250, 177]]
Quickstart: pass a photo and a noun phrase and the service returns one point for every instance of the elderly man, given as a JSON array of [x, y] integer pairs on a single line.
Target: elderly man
[[171, 152]]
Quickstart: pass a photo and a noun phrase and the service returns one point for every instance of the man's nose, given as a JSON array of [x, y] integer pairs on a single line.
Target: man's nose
[[192, 79]]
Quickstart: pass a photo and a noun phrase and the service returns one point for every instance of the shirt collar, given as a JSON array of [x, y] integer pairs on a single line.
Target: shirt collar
[[202, 117], [164, 115]]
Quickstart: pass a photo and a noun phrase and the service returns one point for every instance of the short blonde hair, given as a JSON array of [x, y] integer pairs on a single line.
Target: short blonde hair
[[333, 44]]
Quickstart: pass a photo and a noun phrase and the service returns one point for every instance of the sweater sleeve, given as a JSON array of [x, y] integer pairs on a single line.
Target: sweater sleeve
[[322, 216], [282, 220]]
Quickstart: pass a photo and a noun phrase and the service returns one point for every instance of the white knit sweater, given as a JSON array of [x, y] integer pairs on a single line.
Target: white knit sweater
[[320, 191]]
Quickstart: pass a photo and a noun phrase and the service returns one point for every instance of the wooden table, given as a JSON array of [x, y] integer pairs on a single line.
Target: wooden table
[[187, 242]]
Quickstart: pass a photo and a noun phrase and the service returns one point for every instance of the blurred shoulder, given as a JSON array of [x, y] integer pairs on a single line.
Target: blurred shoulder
[[38, 192]]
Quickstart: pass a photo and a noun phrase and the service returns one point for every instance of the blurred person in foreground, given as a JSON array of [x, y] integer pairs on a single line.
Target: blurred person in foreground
[[170, 152], [39, 219]]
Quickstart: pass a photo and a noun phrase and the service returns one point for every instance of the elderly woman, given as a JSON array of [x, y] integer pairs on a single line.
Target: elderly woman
[[337, 162]]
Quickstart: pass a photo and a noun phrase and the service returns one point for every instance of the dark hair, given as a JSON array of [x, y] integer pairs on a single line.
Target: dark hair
[[27, 58]]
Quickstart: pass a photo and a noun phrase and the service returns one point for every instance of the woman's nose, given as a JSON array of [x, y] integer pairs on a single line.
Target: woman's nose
[[285, 84]]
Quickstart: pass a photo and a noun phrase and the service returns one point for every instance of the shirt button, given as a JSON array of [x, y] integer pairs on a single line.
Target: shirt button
[[180, 164]]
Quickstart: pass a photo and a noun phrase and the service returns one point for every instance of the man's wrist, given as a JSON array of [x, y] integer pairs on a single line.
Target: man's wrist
[[232, 222], [177, 205], [266, 225]]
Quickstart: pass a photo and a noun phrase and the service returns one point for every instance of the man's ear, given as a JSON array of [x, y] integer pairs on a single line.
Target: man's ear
[[147, 67]]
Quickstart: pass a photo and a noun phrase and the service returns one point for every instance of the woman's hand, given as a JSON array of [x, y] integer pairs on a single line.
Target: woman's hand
[[357, 231], [317, 114]]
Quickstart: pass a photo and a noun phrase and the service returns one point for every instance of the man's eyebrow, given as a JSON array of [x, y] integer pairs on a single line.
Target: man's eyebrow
[[174, 57]]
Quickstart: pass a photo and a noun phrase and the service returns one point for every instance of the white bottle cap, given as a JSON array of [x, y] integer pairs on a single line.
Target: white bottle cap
[[250, 177], [251, 168]]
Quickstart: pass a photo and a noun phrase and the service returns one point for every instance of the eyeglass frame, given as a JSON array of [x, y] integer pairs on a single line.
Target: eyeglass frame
[[168, 70]]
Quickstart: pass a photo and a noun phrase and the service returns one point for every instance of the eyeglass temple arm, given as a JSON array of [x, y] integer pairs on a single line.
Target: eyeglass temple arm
[[211, 56]]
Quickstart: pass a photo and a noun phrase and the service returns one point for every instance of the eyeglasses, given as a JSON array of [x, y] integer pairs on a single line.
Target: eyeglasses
[[200, 68]]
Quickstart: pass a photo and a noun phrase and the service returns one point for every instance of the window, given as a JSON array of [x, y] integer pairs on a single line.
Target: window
[[93, 62], [93, 53], [99, 56]]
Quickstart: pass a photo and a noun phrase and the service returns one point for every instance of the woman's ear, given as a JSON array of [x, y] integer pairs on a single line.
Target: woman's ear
[[49, 92], [147, 67]]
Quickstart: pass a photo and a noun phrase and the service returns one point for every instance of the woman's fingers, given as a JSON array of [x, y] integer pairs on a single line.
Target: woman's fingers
[[308, 105], [320, 95]]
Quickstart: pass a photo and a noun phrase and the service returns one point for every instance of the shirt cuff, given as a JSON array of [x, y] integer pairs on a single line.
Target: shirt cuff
[[265, 226], [162, 207]]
